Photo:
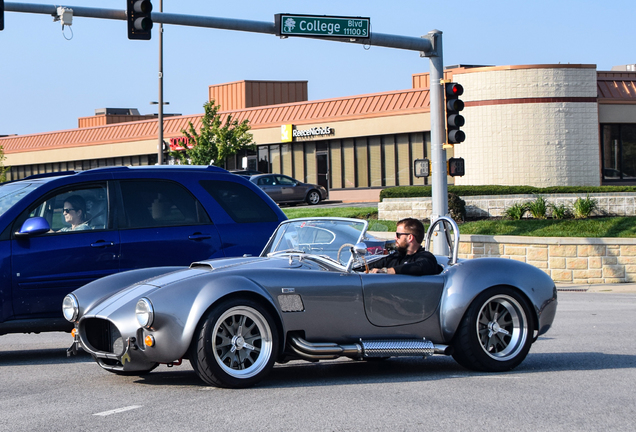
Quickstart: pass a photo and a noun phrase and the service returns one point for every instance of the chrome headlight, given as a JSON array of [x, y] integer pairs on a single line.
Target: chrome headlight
[[70, 308], [145, 313]]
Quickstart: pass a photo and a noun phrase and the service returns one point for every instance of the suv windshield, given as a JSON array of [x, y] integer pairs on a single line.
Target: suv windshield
[[11, 193], [317, 236]]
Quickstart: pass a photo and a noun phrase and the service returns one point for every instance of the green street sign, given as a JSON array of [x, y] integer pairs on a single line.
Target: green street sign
[[322, 25]]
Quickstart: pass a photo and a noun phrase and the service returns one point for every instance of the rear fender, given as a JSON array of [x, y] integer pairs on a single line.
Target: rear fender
[[467, 279]]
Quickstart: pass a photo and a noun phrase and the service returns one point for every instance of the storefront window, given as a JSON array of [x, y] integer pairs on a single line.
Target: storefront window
[[263, 159], [619, 152]]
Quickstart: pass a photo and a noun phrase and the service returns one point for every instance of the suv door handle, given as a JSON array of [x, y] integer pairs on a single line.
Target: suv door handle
[[102, 244], [199, 236]]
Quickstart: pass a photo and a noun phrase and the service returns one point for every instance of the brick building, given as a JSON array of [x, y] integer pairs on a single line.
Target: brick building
[[539, 125]]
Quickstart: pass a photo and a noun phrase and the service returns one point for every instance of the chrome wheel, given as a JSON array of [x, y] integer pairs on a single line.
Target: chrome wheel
[[313, 197], [502, 327], [242, 342], [495, 332]]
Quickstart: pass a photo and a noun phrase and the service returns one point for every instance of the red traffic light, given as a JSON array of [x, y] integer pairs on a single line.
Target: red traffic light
[[454, 89]]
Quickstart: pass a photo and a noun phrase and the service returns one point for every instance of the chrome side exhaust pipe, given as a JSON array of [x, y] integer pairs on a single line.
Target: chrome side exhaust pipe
[[367, 348]]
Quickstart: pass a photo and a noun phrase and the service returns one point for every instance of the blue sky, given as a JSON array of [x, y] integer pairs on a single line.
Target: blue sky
[[47, 82]]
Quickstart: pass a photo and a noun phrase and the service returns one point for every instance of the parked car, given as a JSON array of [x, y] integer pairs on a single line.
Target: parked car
[[130, 218], [245, 172], [302, 299], [285, 190]]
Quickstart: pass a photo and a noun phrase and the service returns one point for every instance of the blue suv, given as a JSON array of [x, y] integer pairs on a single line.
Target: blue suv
[[60, 231]]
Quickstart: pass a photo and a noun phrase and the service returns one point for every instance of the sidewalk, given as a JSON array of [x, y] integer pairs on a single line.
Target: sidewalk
[[599, 288]]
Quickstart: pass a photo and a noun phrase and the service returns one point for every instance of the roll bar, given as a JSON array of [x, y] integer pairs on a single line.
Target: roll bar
[[447, 223]]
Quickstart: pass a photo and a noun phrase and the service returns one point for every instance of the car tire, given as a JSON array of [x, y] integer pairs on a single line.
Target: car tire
[[495, 334], [313, 197], [235, 344]]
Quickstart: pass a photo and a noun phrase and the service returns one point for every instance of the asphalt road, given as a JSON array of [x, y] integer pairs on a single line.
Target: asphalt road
[[580, 376]]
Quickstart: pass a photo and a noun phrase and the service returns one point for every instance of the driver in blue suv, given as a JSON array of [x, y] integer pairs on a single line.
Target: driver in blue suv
[[75, 214], [409, 258]]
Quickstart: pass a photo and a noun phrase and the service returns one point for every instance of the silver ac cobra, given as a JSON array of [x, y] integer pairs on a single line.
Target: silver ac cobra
[[305, 298]]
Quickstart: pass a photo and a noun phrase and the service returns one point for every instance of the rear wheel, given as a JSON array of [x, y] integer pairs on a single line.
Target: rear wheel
[[496, 332], [235, 344], [313, 197]]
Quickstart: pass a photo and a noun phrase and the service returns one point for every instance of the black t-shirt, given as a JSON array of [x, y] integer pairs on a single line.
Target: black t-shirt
[[418, 264]]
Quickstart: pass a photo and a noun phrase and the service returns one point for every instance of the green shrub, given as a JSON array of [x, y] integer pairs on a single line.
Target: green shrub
[[560, 211], [584, 207], [538, 208], [516, 211], [456, 207]]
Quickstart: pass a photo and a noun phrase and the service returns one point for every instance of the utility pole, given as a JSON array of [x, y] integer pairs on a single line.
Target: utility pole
[[160, 112], [438, 131]]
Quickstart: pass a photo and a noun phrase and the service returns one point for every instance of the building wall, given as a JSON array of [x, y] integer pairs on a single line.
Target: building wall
[[534, 126]]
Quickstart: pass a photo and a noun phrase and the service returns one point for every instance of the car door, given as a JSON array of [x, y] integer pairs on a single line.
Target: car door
[[46, 267], [162, 223], [290, 190], [393, 300]]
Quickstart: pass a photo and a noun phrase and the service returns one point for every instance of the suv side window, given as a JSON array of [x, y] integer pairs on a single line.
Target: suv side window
[[239, 201], [76, 209], [160, 203]]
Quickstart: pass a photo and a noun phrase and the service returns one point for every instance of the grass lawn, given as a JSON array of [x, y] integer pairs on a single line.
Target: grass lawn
[[593, 227]]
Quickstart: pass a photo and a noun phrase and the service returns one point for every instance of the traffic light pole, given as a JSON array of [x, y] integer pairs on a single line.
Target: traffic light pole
[[429, 46], [438, 154]]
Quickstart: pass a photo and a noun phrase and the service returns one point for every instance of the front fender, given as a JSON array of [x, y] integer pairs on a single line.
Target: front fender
[[467, 279], [180, 307]]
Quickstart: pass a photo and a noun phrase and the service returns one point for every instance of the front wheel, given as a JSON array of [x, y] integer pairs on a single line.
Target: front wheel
[[313, 197], [235, 345], [496, 332]]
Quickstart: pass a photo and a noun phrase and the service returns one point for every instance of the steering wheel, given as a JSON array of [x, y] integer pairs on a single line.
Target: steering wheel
[[341, 248]]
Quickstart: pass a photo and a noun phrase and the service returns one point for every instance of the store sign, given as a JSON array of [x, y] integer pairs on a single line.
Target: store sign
[[288, 132], [322, 25], [179, 143]]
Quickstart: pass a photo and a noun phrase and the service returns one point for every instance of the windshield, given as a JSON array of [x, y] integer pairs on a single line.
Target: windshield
[[330, 237], [11, 193]]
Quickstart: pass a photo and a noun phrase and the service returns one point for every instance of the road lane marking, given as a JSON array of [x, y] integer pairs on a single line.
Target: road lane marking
[[118, 410]]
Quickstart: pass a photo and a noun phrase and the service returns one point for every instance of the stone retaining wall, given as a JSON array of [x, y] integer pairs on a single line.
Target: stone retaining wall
[[616, 204], [573, 260]]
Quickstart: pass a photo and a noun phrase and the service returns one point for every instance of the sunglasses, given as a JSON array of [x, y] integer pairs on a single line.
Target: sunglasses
[[67, 210], [398, 234]]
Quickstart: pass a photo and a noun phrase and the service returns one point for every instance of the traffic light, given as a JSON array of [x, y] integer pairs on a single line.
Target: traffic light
[[456, 167], [1, 15], [454, 120], [139, 19]]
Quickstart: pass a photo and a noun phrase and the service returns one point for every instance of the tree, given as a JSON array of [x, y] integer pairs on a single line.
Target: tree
[[216, 140], [3, 169]]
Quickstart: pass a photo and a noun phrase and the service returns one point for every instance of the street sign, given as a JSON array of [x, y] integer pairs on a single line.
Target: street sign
[[322, 25]]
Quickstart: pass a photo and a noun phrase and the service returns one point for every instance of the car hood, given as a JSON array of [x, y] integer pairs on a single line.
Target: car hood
[[222, 266]]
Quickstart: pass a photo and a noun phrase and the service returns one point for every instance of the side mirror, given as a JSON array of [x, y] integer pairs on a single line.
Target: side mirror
[[33, 226], [360, 249]]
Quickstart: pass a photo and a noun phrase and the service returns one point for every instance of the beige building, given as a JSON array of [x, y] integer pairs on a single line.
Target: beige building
[[539, 125]]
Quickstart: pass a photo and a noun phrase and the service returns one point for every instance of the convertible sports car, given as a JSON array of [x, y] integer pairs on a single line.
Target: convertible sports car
[[307, 297]]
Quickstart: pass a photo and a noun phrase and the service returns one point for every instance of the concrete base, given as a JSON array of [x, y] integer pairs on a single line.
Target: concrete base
[[355, 195]]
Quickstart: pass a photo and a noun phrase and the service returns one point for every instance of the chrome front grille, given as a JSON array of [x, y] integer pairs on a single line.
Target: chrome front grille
[[102, 335]]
